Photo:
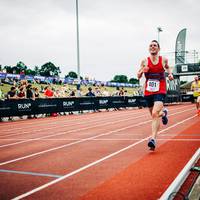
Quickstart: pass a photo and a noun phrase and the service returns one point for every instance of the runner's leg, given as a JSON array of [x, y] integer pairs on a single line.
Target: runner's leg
[[156, 114]]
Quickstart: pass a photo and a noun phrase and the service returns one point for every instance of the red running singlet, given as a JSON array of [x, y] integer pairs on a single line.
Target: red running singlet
[[155, 78]]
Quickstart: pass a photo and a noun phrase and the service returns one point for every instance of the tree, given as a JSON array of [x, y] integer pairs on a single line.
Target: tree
[[20, 67], [133, 81], [37, 70], [49, 69], [30, 72], [8, 69], [71, 74], [120, 79]]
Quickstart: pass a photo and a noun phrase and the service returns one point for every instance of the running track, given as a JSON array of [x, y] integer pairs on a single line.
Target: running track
[[95, 156]]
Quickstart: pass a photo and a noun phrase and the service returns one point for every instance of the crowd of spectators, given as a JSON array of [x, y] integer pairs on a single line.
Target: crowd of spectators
[[23, 89]]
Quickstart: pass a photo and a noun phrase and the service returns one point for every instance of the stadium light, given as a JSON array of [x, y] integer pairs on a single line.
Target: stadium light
[[159, 29], [77, 39]]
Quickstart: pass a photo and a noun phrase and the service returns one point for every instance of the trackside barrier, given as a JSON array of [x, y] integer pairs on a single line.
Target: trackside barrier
[[40, 106], [176, 184], [187, 98]]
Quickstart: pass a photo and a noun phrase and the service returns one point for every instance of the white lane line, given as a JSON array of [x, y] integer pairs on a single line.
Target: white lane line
[[71, 121], [79, 141], [49, 121], [65, 132], [94, 163], [113, 139], [29, 173], [71, 131], [69, 124], [46, 121], [124, 139], [70, 144]]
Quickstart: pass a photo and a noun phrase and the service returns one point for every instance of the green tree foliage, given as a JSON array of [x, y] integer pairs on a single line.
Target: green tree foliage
[[133, 81], [49, 69], [30, 72], [120, 79], [8, 69], [71, 74], [20, 67], [37, 70]]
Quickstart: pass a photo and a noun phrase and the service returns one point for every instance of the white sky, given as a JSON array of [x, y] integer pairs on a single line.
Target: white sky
[[114, 34]]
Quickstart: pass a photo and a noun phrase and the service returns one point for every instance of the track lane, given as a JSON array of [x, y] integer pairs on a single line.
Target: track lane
[[56, 145], [128, 156]]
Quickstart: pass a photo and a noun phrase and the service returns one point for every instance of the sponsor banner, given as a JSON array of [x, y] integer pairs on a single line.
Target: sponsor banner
[[41, 106], [28, 77], [180, 47], [187, 98], [41, 78], [17, 76], [2, 75]]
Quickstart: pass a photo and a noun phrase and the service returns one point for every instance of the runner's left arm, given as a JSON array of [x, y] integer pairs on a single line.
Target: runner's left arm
[[168, 69]]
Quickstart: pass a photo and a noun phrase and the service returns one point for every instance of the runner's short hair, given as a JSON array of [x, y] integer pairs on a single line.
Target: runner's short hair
[[156, 42]]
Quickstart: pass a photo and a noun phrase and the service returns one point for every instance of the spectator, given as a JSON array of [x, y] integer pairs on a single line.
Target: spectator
[[30, 95], [105, 93], [72, 93], [57, 93], [97, 92], [21, 93], [79, 92], [121, 92], [36, 92], [12, 93], [48, 92], [90, 93], [29, 92]]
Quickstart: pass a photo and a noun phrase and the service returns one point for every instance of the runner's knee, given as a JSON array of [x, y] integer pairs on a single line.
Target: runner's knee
[[155, 114]]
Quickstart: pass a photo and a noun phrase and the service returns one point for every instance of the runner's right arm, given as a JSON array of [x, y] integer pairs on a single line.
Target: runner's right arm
[[142, 69]]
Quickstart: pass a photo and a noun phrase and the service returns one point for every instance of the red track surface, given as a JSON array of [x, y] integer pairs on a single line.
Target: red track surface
[[95, 156]]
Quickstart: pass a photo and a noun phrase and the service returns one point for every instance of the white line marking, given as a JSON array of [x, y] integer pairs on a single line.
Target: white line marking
[[93, 163], [113, 139], [68, 121], [63, 125], [73, 143], [30, 173], [85, 128], [80, 141], [71, 131]]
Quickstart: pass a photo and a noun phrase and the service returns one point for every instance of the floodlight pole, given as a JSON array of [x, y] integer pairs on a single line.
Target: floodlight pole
[[159, 29], [77, 39]]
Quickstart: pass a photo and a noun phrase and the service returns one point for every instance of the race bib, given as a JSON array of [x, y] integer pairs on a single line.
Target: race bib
[[153, 85], [197, 89]]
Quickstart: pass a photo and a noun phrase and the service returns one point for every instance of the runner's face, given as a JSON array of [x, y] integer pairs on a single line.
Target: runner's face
[[153, 48]]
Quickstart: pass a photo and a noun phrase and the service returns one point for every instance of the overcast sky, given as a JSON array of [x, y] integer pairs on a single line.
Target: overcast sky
[[114, 34]]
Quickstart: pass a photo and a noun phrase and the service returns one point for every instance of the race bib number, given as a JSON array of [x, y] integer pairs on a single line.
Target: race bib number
[[153, 85], [197, 89]]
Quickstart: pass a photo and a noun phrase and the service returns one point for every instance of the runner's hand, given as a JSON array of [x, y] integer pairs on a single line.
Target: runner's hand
[[145, 69], [171, 77]]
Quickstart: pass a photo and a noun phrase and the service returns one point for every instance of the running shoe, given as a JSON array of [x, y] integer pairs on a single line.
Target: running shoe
[[152, 144], [164, 118]]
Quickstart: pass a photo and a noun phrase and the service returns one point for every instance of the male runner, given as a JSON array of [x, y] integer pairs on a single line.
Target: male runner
[[195, 87], [154, 68]]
